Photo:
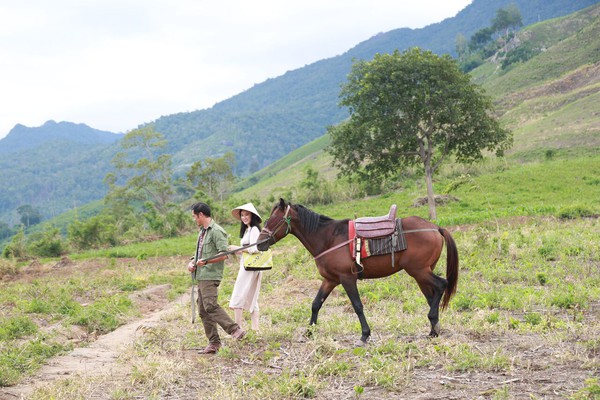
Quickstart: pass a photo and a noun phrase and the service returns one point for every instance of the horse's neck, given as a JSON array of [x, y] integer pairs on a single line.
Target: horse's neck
[[319, 240]]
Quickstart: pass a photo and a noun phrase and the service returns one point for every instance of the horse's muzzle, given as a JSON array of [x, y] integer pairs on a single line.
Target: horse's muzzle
[[264, 246]]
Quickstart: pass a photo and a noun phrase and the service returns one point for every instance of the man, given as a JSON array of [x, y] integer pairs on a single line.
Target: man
[[212, 240]]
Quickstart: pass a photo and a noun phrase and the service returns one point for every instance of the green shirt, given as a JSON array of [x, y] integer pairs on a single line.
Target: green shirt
[[215, 241]]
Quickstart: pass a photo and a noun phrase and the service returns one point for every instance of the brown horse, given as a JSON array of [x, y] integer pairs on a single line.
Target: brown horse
[[327, 240]]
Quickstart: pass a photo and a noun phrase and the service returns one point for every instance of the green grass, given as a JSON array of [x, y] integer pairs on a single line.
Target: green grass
[[533, 279]]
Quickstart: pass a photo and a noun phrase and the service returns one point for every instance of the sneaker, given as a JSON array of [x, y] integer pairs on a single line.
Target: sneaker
[[238, 334], [212, 348]]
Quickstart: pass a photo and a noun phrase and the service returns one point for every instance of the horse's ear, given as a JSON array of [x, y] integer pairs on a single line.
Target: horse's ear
[[282, 203]]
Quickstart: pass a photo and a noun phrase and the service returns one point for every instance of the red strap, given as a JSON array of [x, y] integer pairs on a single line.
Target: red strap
[[351, 237]]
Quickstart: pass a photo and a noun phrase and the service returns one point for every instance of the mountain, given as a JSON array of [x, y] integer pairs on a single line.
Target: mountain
[[22, 138], [550, 102], [260, 125], [54, 167], [295, 108]]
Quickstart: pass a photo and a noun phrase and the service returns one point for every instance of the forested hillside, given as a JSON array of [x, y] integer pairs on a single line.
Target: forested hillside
[[259, 125], [296, 108], [54, 167], [550, 102]]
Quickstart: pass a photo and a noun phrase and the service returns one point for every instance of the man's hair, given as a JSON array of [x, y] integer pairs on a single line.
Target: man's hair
[[201, 208]]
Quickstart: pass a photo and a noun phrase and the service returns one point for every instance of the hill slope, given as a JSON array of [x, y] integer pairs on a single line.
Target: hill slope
[[295, 108], [260, 125], [550, 102]]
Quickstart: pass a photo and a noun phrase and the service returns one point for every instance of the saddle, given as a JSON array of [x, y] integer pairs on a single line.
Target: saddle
[[376, 227], [373, 228]]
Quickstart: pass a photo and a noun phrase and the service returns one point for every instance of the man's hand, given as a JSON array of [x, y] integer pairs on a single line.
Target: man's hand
[[201, 263], [191, 266]]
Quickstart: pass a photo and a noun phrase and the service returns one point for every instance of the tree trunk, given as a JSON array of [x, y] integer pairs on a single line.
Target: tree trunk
[[430, 194]]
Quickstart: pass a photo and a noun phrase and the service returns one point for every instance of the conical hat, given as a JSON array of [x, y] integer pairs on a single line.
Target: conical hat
[[247, 207]]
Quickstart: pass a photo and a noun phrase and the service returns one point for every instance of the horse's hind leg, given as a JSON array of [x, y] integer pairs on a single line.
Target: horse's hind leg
[[433, 287]]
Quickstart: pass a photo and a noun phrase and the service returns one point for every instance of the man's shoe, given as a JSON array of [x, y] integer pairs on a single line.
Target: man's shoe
[[212, 348], [238, 334]]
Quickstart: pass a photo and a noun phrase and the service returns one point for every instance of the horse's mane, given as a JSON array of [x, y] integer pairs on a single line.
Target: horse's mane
[[309, 219]]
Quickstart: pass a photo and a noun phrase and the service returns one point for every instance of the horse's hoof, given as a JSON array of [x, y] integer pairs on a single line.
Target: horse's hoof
[[360, 343], [435, 331]]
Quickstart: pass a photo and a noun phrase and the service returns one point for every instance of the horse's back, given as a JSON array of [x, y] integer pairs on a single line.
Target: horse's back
[[415, 222]]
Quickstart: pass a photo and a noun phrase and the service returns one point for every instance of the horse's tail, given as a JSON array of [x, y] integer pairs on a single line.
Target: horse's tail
[[451, 267]]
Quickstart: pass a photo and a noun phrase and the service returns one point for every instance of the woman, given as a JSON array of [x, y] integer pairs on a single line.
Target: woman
[[247, 285]]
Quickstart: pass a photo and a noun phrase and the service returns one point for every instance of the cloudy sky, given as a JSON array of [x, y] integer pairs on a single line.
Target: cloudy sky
[[114, 64]]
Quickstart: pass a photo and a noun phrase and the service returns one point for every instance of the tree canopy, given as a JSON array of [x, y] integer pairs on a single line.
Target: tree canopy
[[413, 108]]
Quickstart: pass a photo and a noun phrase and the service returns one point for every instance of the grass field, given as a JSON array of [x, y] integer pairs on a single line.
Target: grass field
[[523, 323]]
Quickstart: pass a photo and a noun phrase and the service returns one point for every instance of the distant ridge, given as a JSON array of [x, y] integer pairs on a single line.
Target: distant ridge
[[22, 137]]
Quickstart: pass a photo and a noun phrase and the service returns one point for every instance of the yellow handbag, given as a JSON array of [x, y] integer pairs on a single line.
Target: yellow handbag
[[263, 260]]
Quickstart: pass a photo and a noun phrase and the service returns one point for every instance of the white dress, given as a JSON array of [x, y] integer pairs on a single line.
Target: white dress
[[247, 285]]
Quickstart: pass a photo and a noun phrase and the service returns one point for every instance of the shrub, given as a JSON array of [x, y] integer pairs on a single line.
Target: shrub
[[8, 268], [16, 327], [576, 211], [16, 248], [48, 243], [92, 233]]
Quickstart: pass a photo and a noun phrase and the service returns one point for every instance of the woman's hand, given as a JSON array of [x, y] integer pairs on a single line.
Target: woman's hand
[[234, 248]]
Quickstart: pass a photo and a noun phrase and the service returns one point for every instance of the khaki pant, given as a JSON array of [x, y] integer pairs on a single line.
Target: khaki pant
[[211, 312]]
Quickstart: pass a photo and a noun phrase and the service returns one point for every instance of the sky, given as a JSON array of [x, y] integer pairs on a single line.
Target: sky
[[116, 64]]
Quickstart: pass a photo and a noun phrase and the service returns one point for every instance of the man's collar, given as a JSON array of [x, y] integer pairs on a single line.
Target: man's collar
[[210, 224]]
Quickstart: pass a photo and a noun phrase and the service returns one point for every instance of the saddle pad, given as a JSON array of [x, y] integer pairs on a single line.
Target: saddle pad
[[377, 247], [381, 246]]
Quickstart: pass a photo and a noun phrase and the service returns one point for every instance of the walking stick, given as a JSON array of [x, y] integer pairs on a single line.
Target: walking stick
[[193, 298]]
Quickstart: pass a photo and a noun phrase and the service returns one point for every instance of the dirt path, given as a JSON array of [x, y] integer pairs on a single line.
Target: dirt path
[[99, 358]]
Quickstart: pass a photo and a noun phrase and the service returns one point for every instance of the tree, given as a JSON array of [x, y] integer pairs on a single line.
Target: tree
[[5, 231], [144, 167], [144, 175], [29, 215], [480, 39], [507, 18], [213, 176], [412, 108]]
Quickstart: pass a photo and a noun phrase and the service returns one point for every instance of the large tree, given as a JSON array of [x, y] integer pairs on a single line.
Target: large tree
[[413, 108], [145, 168], [213, 176], [144, 175]]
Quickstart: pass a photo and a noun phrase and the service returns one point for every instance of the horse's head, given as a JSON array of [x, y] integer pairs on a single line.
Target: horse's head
[[277, 226]]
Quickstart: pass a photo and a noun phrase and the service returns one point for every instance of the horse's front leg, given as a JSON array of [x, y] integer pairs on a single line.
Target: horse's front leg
[[349, 285], [326, 287]]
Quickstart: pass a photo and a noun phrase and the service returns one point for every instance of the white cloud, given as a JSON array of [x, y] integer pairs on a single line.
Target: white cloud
[[114, 64]]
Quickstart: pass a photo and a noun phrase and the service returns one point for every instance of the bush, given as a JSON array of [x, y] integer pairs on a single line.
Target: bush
[[16, 248], [92, 233], [574, 212], [48, 243], [16, 327], [8, 268]]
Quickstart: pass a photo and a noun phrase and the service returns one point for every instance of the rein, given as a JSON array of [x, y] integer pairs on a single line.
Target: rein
[[226, 253], [286, 220], [350, 240]]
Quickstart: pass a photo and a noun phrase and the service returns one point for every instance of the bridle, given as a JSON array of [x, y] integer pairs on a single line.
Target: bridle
[[286, 220]]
